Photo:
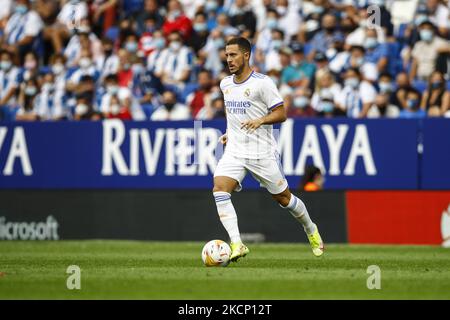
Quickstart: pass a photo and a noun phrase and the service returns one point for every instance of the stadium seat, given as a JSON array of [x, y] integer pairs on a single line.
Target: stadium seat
[[112, 33], [420, 85]]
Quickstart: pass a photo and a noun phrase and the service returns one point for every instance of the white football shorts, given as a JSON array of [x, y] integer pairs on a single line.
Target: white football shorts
[[268, 172]]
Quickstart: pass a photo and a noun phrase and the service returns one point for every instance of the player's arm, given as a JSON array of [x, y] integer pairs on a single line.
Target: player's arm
[[277, 115]]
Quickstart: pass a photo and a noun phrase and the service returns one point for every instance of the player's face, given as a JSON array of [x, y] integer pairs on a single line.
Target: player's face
[[235, 58]]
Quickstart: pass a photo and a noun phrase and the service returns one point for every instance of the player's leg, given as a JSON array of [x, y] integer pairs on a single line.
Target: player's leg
[[298, 210], [270, 175], [227, 178]]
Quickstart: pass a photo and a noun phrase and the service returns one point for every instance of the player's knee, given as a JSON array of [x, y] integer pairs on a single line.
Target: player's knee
[[283, 198]]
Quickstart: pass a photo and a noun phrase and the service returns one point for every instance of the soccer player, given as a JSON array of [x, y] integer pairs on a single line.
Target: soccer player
[[253, 104]]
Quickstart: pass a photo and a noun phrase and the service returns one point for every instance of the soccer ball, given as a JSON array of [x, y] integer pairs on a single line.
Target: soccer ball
[[216, 253]]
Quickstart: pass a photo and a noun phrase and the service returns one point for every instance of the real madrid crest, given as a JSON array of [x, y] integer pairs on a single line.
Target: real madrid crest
[[247, 92]]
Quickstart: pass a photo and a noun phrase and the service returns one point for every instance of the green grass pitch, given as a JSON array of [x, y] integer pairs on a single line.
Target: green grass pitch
[[174, 270]]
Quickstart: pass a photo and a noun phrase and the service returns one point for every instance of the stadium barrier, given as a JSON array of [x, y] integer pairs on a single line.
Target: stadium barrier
[[353, 154]]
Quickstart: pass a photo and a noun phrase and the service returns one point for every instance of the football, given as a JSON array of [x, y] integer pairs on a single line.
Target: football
[[216, 253]]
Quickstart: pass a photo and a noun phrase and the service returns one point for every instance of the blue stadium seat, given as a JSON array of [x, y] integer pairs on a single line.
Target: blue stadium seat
[[112, 33], [420, 85], [148, 109]]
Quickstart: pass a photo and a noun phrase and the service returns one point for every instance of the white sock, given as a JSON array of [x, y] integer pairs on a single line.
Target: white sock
[[227, 215], [298, 209]]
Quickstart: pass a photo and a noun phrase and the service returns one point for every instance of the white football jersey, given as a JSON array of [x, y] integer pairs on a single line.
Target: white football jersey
[[248, 100]]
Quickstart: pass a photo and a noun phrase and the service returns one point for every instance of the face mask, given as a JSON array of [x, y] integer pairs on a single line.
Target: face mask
[[301, 102], [175, 14], [436, 84], [281, 10], [159, 43], [84, 29], [359, 61], [271, 23], [169, 105], [426, 35], [385, 87], [317, 9], [30, 65], [85, 63], [370, 43], [112, 89], [57, 68], [327, 106], [47, 87], [30, 91], [330, 29], [131, 47], [81, 109], [379, 3], [219, 43], [115, 109], [420, 18], [5, 65], [352, 82], [276, 44], [412, 103], [211, 6], [126, 66], [21, 9], [108, 51], [175, 45], [200, 27]]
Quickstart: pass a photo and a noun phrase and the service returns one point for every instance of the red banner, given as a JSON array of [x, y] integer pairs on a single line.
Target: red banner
[[398, 217]]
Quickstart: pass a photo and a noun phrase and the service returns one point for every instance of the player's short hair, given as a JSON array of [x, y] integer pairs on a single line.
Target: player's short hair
[[243, 44]]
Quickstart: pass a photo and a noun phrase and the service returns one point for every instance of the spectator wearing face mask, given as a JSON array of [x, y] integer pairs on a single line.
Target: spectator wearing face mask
[[264, 38], [272, 57], [171, 109], [28, 91], [200, 33], [382, 108], [199, 98], [151, 18], [9, 75], [177, 21], [84, 109], [146, 44], [301, 104], [22, 29], [439, 16], [436, 99], [402, 85], [50, 104], [326, 89], [175, 63], [83, 38], [158, 45], [426, 51], [357, 96], [108, 62], [376, 53], [323, 39], [413, 110], [241, 13], [85, 67], [117, 111]]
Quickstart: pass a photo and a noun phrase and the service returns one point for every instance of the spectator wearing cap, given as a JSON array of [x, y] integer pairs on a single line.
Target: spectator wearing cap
[[176, 20], [9, 75], [436, 98], [323, 40], [357, 96], [171, 109], [376, 53], [66, 23], [174, 65], [22, 29], [426, 51], [381, 108], [299, 72], [413, 110], [439, 15], [241, 14]]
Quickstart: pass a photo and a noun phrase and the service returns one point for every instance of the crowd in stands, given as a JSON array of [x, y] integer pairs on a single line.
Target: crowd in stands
[[163, 60]]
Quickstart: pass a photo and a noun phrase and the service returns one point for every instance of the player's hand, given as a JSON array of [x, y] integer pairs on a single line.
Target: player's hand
[[251, 125], [223, 139]]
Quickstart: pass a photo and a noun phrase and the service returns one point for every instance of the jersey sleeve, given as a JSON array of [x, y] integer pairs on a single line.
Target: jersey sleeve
[[270, 94]]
